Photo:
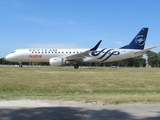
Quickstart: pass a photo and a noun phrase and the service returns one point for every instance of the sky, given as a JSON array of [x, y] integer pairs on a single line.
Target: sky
[[76, 23]]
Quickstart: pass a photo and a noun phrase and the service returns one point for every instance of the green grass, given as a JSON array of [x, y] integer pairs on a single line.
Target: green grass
[[110, 86]]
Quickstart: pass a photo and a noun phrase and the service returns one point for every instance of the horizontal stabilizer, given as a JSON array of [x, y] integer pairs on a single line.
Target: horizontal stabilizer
[[144, 51]]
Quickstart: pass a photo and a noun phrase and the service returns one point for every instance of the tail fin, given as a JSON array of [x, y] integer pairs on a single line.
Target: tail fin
[[139, 40]]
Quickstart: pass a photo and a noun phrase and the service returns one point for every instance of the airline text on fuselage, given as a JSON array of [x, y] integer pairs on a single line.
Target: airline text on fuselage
[[42, 50], [35, 56]]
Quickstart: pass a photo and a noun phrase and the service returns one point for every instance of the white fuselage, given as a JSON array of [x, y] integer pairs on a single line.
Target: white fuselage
[[44, 55]]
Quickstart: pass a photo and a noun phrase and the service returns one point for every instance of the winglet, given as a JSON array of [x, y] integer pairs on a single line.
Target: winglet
[[96, 46]]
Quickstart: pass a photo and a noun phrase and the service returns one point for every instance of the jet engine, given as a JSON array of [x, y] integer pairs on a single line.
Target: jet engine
[[56, 61]]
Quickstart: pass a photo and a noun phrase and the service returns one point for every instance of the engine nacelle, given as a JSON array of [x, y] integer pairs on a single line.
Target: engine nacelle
[[56, 61]]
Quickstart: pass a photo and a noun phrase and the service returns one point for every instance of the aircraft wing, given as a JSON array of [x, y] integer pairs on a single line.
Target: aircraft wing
[[144, 51], [80, 56]]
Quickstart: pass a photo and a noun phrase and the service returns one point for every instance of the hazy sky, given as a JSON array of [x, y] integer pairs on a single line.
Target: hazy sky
[[76, 23]]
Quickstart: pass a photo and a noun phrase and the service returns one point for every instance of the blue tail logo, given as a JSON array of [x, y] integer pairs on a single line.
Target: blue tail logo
[[139, 40]]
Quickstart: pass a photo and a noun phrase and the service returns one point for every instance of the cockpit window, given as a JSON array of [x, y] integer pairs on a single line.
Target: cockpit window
[[13, 52]]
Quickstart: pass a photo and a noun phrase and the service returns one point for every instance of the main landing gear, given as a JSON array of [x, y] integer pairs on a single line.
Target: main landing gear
[[76, 66]]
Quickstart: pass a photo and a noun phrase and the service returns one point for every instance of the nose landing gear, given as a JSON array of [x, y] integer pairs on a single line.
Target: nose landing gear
[[20, 64]]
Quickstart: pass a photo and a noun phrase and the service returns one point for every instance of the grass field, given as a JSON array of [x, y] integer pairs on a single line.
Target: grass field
[[102, 85]]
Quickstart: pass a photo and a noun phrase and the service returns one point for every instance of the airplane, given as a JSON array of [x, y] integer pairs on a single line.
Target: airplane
[[62, 57]]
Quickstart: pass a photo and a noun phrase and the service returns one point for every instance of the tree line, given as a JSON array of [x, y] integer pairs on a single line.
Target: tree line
[[153, 60]]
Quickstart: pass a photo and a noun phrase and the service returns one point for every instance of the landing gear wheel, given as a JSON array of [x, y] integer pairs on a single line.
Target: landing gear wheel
[[76, 66], [20, 66]]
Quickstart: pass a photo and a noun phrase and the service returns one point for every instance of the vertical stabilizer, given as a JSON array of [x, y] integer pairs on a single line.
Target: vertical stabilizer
[[139, 40]]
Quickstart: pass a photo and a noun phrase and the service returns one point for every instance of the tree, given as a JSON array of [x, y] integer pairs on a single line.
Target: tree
[[153, 59], [4, 62], [159, 56]]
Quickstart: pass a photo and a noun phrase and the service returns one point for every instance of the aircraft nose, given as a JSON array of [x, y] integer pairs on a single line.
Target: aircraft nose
[[10, 57], [6, 58]]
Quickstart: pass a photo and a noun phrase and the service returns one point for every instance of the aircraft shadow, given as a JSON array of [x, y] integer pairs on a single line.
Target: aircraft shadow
[[65, 113]]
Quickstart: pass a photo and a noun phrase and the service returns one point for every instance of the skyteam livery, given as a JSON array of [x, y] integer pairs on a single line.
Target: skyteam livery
[[61, 57]]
